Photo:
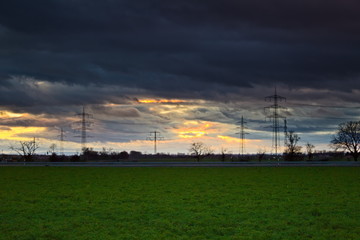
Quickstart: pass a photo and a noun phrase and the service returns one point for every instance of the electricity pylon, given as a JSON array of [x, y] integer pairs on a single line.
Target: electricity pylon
[[285, 132], [84, 126], [242, 134], [62, 138], [274, 114], [155, 136]]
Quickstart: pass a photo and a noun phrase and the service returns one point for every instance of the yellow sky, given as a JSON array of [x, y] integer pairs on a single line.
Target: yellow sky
[[20, 133], [184, 132], [149, 100], [8, 114]]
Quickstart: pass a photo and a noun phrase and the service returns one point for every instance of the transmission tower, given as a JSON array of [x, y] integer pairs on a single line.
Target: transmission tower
[[274, 114], [61, 136], [285, 132], [155, 136], [85, 124], [242, 136]]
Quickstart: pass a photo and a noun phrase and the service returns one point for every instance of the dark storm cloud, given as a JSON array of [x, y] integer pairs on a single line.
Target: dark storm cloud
[[182, 48], [19, 93], [27, 122], [116, 112]]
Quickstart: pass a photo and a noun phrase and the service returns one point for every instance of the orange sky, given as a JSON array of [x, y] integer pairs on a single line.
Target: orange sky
[[179, 131]]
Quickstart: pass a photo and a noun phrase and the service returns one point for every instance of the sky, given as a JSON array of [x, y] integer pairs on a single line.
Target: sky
[[187, 69]]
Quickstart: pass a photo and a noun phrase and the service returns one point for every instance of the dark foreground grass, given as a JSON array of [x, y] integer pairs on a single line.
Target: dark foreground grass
[[179, 203]]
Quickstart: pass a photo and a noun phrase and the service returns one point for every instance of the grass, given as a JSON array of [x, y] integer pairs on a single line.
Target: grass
[[179, 203]]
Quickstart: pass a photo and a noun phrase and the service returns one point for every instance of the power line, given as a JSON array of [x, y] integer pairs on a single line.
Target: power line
[[84, 126], [242, 136], [285, 132], [323, 106], [333, 118], [274, 115], [62, 137], [155, 136]]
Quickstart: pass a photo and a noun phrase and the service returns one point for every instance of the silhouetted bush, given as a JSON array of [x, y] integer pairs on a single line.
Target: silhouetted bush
[[124, 155], [89, 154], [53, 158], [75, 158], [135, 154]]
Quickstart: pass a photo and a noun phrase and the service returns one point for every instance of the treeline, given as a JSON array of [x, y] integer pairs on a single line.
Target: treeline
[[347, 139], [90, 155]]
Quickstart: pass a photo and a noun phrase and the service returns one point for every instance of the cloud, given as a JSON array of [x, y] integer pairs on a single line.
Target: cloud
[[183, 45], [28, 92], [207, 61], [113, 110]]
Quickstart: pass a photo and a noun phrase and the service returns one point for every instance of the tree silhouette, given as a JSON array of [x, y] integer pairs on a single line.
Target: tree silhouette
[[52, 148], [261, 154], [347, 138], [292, 150], [223, 152], [310, 150], [26, 149], [199, 150]]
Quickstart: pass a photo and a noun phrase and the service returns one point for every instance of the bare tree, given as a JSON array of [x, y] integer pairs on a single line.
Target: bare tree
[[292, 150], [26, 149], [310, 150], [52, 148], [106, 152], [348, 138], [261, 154], [223, 152], [199, 150]]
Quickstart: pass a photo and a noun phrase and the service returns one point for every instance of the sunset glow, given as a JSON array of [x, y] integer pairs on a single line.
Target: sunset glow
[[146, 69], [7, 114], [195, 129], [161, 101], [238, 140], [20, 133]]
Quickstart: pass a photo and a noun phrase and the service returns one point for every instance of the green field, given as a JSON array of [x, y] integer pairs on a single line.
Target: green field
[[179, 203]]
